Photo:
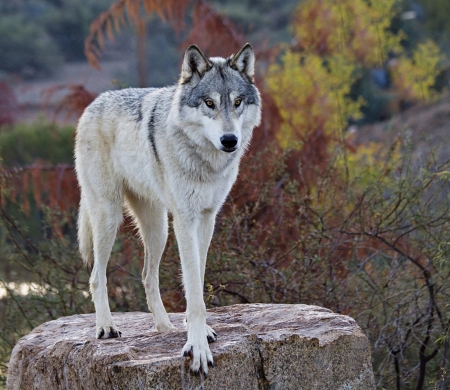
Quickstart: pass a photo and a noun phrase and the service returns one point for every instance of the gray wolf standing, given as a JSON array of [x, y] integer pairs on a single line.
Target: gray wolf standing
[[165, 150]]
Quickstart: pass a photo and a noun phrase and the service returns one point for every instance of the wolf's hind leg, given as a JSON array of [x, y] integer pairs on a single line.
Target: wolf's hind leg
[[151, 219], [105, 218]]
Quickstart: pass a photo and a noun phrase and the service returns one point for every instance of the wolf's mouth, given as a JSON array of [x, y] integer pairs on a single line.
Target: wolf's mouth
[[229, 150]]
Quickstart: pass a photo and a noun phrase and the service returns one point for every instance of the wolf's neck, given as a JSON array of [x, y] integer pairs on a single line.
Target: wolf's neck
[[203, 162]]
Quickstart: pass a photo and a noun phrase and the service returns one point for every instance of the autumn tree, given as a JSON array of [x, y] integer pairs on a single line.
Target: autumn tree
[[334, 42]]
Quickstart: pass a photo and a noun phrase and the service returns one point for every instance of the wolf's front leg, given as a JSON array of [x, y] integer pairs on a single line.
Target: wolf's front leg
[[205, 232], [197, 344]]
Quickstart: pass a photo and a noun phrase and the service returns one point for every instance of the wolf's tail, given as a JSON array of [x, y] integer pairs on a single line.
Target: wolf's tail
[[85, 242]]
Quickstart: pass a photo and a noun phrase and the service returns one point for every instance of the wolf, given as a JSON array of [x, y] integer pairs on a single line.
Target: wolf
[[172, 150]]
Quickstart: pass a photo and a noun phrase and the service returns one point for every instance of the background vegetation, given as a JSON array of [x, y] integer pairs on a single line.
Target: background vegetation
[[360, 228], [39, 35]]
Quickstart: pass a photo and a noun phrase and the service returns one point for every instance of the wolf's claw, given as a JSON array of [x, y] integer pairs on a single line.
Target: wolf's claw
[[113, 333], [110, 332], [201, 357], [211, 336], [188, 353]]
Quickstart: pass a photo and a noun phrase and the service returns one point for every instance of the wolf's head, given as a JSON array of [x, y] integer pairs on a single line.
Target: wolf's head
[[219, 102]]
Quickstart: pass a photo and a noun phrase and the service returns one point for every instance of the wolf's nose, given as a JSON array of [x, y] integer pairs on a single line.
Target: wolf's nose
[[229, 140]]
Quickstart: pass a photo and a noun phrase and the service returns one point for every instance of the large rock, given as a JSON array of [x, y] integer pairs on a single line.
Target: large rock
[[259, 347]]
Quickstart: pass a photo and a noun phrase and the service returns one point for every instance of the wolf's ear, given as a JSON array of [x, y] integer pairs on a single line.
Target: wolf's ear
[[244, 61], [194, 62]]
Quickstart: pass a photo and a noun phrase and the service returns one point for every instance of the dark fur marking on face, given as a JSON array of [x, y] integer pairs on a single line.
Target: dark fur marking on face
[[190, 98], [221, 73], [151, 132], [222, 79]]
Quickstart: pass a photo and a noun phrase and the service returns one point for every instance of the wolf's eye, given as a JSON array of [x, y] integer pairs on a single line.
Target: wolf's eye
[[209, 103], [237, 102]]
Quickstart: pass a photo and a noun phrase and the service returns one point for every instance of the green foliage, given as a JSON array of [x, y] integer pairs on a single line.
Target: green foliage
[[266, 20], [38, 35], [162, 69], [23, 143], [436, 18], [26, 47], [68, 22]]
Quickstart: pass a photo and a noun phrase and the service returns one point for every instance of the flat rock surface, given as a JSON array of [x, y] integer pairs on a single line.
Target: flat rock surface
[[259, 346]]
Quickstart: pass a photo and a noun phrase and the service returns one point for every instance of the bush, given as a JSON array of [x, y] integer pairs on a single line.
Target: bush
[[367, 239], [23, 143]]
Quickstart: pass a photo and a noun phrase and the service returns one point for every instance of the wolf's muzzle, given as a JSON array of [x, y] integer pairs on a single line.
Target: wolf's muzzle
[[229, 142]]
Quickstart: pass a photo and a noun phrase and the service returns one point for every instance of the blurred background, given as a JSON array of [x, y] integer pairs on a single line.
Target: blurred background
[[349, 211]]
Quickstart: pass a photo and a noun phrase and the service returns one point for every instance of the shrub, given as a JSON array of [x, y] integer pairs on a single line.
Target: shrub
[[23, 143], [369, 244], [318, 85]]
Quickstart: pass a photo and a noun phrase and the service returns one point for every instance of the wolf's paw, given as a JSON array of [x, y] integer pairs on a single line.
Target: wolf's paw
[[211, 336], [165, 326], [200, 355], [108, 332]]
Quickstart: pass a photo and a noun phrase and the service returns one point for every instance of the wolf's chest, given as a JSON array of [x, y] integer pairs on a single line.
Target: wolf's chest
[[196, 196]]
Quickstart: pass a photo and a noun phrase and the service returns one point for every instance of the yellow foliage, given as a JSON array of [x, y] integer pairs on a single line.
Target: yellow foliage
[[357, 29], [370, 160], [414, 77], [335, 40], [312, 96], [311, 89]]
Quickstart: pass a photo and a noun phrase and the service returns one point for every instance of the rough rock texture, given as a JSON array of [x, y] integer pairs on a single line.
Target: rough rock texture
[[259, 347]]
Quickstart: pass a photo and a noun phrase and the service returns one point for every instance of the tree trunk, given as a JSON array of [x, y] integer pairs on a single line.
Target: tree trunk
[[141, 35]]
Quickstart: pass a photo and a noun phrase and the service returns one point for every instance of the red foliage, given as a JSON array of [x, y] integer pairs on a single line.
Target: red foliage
[[319, 41], [55, 187], [52, 186], [73, 103], [212, 31]]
